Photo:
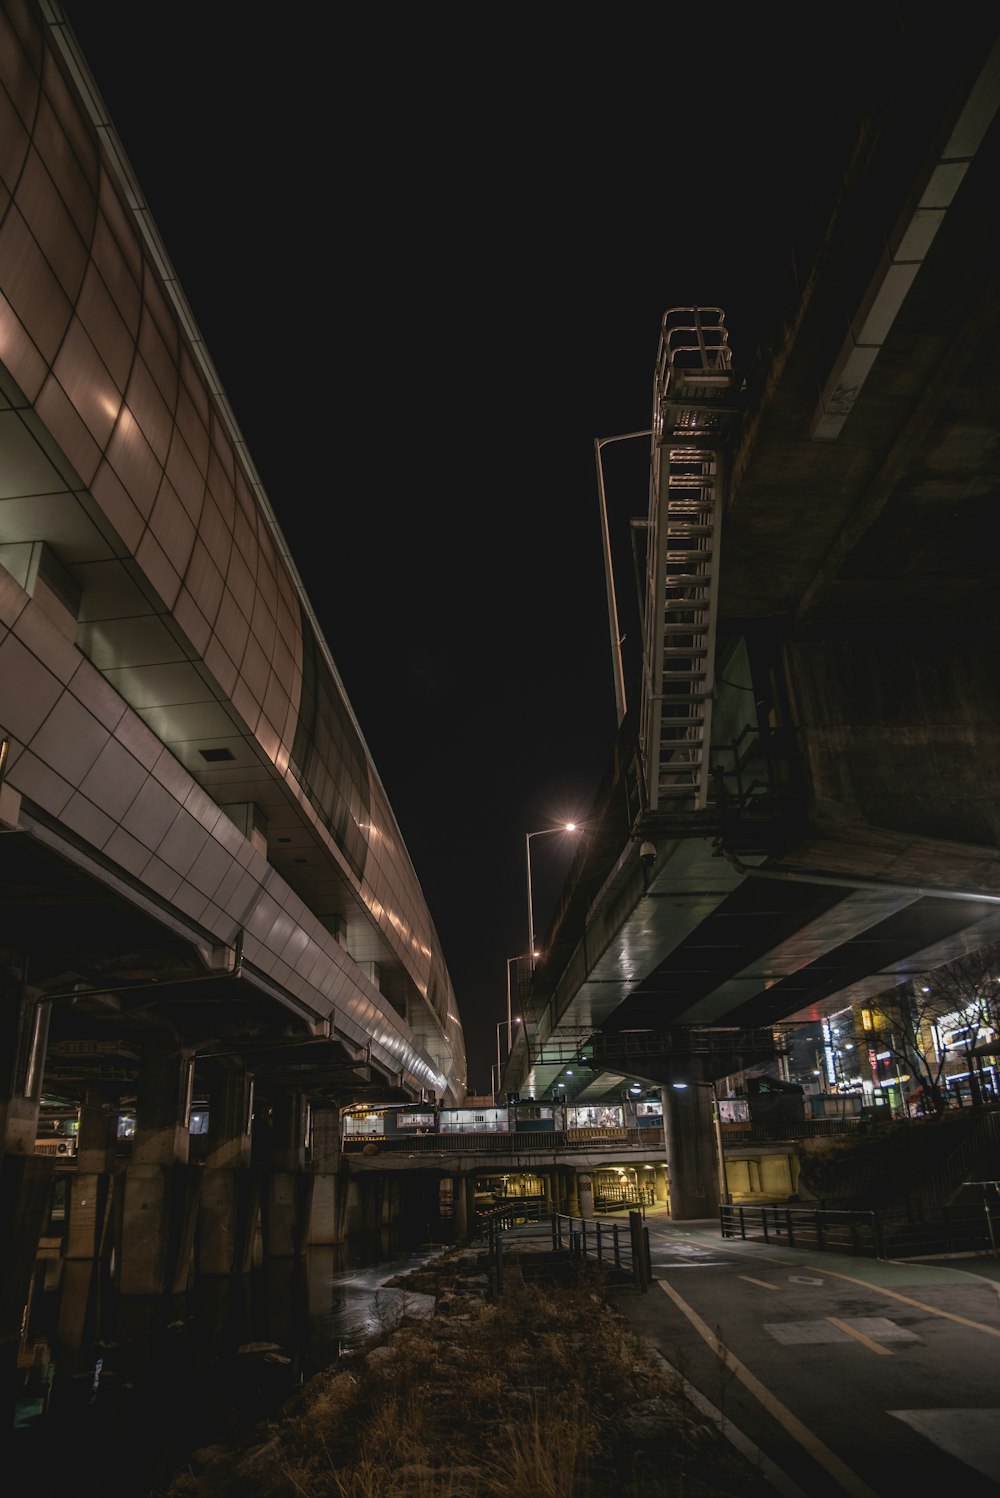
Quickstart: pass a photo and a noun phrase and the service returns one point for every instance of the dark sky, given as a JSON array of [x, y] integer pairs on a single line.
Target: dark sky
[[430, 260]]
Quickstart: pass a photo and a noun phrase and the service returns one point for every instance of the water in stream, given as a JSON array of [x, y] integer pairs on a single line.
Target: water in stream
[[118, 1392]]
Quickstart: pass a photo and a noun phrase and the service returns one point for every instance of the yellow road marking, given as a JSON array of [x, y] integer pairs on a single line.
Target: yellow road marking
[[853, 1332], [764, 1284], [979, 1326], [837, 1469]]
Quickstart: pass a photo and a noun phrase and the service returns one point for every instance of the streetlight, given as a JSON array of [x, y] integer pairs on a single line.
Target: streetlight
[[515, 960], [563, 827], [501, 1025], [609, 578]]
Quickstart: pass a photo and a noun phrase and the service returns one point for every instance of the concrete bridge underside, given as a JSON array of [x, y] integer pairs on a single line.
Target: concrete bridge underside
[[858, 617]]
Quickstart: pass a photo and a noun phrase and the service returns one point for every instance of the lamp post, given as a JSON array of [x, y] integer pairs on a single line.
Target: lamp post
[[609, 578], [563, 827], [510, 1014], [720, 1147], [501, 1024]]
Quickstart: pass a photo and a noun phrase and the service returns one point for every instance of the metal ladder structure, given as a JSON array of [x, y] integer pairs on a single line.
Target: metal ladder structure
[[693, 407]]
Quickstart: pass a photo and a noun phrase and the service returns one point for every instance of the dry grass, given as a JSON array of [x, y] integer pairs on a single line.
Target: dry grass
[[546, 1393]]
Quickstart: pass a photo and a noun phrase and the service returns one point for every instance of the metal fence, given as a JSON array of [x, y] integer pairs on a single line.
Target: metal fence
[[928, 1232], [523, 1141], [619, 1247]]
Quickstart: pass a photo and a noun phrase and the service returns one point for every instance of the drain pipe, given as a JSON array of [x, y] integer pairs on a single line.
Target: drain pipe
[[816, 876]]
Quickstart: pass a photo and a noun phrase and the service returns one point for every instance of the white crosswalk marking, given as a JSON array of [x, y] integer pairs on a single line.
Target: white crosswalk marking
[[800, 1333], [973, 1436], [876, 1328], [881, 1329]]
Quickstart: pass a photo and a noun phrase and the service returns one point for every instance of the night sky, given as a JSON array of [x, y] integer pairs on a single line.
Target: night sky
[[429, 253]]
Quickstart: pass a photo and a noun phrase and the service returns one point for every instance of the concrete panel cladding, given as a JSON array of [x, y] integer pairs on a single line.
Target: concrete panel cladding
[[133, 519]]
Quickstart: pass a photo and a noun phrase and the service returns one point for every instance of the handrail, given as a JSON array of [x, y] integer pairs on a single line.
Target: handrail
[[522, 1141], [611, 1245], [952, 1171], [612, 1138], [876, 1234]]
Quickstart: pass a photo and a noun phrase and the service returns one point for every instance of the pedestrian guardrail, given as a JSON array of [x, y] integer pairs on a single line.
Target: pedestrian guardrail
[[498, 1142], [844, 1231], [622, 1247], [921, 1232]]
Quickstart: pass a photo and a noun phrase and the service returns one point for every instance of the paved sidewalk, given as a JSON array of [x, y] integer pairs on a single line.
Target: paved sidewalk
[[706, 1231], [835, 1372]]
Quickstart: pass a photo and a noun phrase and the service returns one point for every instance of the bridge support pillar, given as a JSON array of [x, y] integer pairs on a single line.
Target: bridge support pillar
[[325, 1224], [227, 1214], [24, 1028], [585, 1193], [287, 1186], [460, 1201], [25, 1178], [691, 1151], [160, 1198], [568, 1173], [352, 1207], [660, 1193], [90, 1189], [90, 1216]]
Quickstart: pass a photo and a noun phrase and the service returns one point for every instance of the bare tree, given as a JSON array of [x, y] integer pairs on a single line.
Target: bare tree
[[952, 1013], [902, 1021]]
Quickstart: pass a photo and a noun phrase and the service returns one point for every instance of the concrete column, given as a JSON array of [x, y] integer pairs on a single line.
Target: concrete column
[[352, 1210], [692, 1161], [660, 1195], [161, 1109], [461, 1208], [225, 1232], [24, 1028], [90, 1189], [572, 1197], [90, 1219], [585, 1193], [420, 1208], [550, 1196], [25, 1178], [288, 1138], [324, 1218], [327, 1141], [159, 1208], [470, 1204], [287, 1187], [229, 1094]]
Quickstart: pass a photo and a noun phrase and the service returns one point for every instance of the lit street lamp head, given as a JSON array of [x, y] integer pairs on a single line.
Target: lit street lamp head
[[563, 827]]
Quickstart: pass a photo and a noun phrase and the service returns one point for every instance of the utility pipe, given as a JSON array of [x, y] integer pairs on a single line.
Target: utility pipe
[[839, 881]]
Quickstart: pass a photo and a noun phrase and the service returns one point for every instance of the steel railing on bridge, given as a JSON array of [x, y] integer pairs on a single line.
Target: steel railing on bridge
[[538, 1141], [522, 1141]]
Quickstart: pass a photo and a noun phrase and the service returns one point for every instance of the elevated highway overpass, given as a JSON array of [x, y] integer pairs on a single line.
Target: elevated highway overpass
[[803, 804]]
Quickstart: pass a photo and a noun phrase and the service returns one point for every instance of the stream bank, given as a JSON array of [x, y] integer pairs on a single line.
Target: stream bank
[[544, 1390]]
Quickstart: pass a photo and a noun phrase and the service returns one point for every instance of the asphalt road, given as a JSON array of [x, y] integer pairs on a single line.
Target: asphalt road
[[837, 1374]]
